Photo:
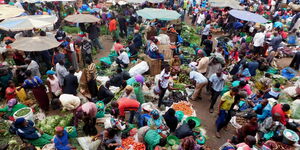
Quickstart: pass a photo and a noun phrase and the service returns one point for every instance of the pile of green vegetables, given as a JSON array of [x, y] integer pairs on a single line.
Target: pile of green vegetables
[[71, 30], [190, 35], [48, 124]]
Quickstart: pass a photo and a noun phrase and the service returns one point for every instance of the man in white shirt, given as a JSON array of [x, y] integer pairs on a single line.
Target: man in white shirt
[[200, 81], [217, 82], [31, 65], [123, 59], [258, 41], [205, 32]]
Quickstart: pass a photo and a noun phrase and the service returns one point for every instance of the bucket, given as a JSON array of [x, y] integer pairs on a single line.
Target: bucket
[[28, 116], [289, 137]]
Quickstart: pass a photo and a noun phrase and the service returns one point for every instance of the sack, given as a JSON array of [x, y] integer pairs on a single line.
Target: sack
[[296, 109], [139, 68], [87, 144]]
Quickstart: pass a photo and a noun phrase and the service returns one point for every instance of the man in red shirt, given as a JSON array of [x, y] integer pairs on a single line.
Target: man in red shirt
[[281, 109], [113, 27]]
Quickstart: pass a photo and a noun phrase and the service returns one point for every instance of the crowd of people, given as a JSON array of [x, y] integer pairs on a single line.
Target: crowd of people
[[236, 72]]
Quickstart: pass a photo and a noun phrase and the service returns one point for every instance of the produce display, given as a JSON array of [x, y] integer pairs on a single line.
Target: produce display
[[183, 106], [189, 34], [126, 143], [48, 124], [22, 112]]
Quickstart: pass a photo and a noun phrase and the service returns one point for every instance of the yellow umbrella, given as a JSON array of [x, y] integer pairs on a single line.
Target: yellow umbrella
[[8, 11], [35, 44], [82, 18]]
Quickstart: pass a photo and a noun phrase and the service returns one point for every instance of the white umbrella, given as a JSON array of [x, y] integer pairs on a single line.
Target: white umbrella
[[136, 1], [82, 18], [27, 22], [35, 44], [155, 1], [58, 0], [226, 3], [8, 11]]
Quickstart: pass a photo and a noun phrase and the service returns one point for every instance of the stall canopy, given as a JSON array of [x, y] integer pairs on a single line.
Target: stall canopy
[[161, 14], [226, 3], [248, 16], [82, 18], [8, 11], [27, 22], [35, 44]]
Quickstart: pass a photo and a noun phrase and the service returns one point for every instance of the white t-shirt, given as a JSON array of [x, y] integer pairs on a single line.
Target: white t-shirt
[[72, 47], [124, 57], [164, 83], [198, 77], [258, 39]]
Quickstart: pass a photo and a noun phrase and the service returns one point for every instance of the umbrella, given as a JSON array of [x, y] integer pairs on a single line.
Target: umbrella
[[57, 0], [155, 1], [248, 16], [8, 11], [82, 18], [136, 1], [227, 3], [27, 22], [36, 43], [161, 14]]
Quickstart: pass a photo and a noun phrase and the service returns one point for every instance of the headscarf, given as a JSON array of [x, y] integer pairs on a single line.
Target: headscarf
[[193, 66], [139, 78], [129, 88], [59, 129], [188, 143], [50, 72], [19, 121], [154, 113], [12, 102], [89, 108]]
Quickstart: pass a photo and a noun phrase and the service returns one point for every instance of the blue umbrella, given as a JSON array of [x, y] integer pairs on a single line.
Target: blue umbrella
[[248, 16], [161, 14]]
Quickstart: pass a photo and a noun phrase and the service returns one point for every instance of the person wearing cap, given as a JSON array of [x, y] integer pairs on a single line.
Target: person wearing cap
[[11, 107], [203, 62], [33, 135], [61, 141], [53, 84]]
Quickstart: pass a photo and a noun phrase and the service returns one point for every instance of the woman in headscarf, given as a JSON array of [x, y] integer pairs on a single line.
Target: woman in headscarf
[[11, 107], [53, 84], [171, 119], [87, 112], [39, 90], [27, 131], [61, 139], [156, 122], [189, 143]]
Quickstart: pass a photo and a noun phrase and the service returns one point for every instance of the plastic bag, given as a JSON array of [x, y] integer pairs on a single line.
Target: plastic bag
[[296, 109], [106, 60], [87, 144], [139, 68], [288, 73]]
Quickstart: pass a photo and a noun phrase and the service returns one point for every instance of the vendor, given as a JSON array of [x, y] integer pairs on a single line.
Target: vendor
[[175, 64], [69, 101], [153, 50], [250, 141], [263, 110], [126, 104], [129, 93], [271, 124], [118, 79], [171, 119], [250, 128], [274, 92], [87, 112], [123, 59], [189, 143], [109, 139], [118, 46], [282, 110], [104, 93], [157, 123], [11, 107], [61, 139], [10, 91], [185, 129], [145, 116], [27, 131]]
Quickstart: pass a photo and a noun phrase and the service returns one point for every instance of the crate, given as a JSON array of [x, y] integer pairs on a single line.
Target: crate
[[166, 51], [154, 65]]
